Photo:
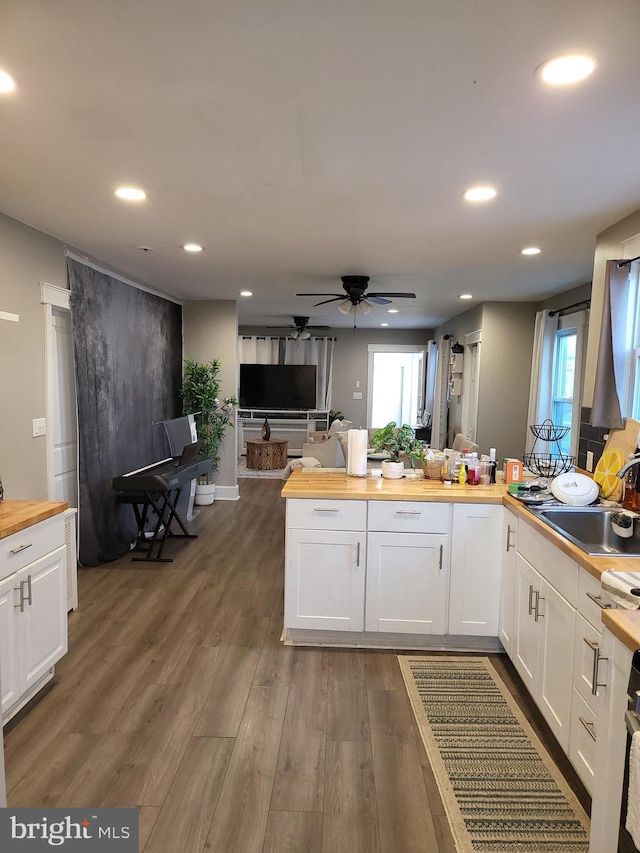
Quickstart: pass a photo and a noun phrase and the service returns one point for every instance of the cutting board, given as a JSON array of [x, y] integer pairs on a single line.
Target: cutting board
[[623, 442]]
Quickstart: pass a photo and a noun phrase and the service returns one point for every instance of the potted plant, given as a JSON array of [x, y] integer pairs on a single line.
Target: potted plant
[[396, 440], [200, 398]]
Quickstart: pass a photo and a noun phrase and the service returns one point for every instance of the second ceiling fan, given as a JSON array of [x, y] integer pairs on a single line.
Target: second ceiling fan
[[356, 296]]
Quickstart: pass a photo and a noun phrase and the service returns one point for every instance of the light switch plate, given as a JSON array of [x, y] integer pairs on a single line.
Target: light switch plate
[[589, 462], [357, 395], [39, 427]]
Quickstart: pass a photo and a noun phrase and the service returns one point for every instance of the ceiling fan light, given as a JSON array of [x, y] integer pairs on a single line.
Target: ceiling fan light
[[304, 335], [365, 307], [345, 306]]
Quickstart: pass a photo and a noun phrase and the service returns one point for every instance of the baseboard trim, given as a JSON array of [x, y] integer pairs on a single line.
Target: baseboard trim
[[227, 493]]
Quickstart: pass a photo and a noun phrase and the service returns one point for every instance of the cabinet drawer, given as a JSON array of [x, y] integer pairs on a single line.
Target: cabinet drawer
[[22, 548], [586, 662], [409, 516], [321, 514], [582, 744], [561, 571], [589, 589]]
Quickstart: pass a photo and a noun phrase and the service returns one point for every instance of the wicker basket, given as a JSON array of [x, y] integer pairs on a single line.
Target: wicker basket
[[432, 470]]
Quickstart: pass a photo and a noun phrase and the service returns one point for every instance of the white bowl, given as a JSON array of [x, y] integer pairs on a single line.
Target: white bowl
[[574, 489]]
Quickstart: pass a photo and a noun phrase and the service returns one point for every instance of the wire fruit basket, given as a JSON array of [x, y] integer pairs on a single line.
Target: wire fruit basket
[[548, 463]]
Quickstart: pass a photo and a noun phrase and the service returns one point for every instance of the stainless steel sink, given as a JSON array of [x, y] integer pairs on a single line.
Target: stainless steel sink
[[589, 527]]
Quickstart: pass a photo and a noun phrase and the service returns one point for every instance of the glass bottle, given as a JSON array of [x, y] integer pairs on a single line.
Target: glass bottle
[[629, 498]]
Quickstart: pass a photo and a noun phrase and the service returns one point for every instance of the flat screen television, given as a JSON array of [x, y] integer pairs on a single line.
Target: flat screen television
[[277, 386]]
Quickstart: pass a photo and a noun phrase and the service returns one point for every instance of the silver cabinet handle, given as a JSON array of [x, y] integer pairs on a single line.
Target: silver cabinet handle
[[597, 657], [441, 551], [326, 509], [530, 599], [408, 512], [21, 548], [358, 554], [28, 599], [509, 532], [537, 615], [597, 599], [588, 724], [20, 589]]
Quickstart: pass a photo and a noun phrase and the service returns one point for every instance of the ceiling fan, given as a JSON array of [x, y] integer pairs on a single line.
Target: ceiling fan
[[302, 329], [356, 297]]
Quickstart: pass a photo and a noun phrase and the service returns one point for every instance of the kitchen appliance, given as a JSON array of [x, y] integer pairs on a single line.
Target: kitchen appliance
[[574, 489]]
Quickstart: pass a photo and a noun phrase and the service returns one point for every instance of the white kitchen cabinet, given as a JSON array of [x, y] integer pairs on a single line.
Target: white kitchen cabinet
[[325, 579], [508, 586], [33, 612], [407, 579], [476, 569], [542, 649]]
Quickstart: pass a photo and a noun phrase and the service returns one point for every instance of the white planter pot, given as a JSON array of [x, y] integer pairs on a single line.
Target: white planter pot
[[205, 494], [392, 470]]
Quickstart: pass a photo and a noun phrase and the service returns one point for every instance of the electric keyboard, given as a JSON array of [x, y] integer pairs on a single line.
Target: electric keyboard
[[162, 476]]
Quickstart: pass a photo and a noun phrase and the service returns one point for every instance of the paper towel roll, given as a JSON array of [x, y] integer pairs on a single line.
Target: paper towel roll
[[357, 441]]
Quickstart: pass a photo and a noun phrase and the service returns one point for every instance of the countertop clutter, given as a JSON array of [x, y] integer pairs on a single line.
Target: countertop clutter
[[17, 515], [624, 624]]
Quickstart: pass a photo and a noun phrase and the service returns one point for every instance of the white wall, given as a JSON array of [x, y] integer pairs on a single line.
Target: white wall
[[211, 331], [28, 257]]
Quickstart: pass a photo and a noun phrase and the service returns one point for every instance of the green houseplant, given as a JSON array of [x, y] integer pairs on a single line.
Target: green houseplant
[[201, 398], [396, 441]]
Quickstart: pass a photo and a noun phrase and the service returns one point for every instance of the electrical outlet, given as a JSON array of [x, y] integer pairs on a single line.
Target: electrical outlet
[[357, 395], [589, 462], [39, 427]]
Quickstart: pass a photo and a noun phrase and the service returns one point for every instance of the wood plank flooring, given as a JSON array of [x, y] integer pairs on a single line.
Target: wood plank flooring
[[178, 697]]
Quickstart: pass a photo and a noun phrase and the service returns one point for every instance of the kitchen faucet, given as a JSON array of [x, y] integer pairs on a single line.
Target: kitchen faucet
[[633, 460]]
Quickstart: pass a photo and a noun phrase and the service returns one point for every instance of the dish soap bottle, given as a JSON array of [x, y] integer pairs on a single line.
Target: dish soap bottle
[[629, 497], [462, 473]]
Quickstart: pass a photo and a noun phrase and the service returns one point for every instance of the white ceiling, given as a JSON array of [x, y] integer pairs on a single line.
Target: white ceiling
[[301, 140]]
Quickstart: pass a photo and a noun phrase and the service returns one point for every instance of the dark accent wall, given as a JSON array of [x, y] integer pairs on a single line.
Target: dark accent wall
[[128, 361]]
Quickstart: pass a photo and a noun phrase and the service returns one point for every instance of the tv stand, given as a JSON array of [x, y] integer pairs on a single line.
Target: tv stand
[[290, 424]]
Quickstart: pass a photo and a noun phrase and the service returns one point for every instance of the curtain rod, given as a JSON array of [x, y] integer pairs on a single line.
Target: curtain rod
[[568, 309], [630, 261]]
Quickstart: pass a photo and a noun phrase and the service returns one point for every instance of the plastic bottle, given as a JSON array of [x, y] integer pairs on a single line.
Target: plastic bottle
[[462, 473], [492, 458]]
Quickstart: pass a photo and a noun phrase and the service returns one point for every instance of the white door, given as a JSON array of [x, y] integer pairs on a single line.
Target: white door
[[526, 631], [9, 654], [556, 661], [62, 410], [407, 581], [508, 586], [324, 586]]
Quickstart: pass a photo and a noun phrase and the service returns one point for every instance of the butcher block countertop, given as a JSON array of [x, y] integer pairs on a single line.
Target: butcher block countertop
[[16, 515]]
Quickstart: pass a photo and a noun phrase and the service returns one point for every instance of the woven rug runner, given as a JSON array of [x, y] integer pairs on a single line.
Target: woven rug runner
[[500, 787]]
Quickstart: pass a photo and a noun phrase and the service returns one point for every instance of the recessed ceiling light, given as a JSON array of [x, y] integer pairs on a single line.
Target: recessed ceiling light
[[466, 296], [246, 293], [392, 310], [480, 194], [562, 70], [192, 247], [131, 194], [531, 250], [8, 83], [384, 324]]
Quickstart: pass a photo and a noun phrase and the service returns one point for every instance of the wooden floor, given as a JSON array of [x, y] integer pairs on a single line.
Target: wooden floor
[[178, 697]]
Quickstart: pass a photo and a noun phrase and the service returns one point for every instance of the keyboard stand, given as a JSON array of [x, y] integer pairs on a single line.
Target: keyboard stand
[[163, 504]]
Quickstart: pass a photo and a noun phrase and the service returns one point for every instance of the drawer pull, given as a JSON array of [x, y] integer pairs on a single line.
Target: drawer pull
[[408, 512], [597, 657], [358, 554], [597, 599], [537, 616], [28, 598], [325, 509], [588, 724], [530, 599], [21, 548]]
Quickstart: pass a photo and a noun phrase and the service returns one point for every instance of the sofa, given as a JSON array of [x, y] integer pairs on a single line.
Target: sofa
[[324, 446]]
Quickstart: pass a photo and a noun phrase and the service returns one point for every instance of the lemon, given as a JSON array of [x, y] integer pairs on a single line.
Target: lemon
[[605, 474]]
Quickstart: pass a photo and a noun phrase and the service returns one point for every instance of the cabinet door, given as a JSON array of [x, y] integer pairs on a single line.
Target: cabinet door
[[525, 634], [476, 535], [556, 621], [325, 574], [407, 583], [9, 652], [43, 624], [507, 593]]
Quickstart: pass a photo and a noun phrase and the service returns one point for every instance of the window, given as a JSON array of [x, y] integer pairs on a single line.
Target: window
[[564, 384], [396, 384]]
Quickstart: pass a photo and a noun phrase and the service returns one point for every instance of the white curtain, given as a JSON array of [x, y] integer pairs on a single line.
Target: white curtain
[[541, 388], [441, 398], [258, 350], [254, 349], [318, 351]]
